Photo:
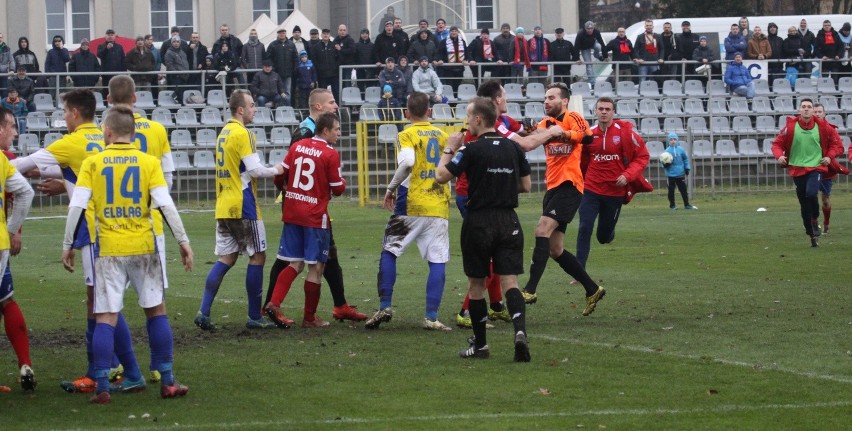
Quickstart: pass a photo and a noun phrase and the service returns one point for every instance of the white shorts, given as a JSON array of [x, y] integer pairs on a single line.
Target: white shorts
[[4, 260], [240, 236], [87, 258], [113, 273], [431, 233]]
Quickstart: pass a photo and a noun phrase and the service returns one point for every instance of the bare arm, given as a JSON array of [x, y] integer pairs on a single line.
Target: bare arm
[[454, 142], [539, 137], [524, 184]]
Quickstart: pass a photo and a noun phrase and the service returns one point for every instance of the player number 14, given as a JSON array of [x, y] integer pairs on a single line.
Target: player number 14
[[129, 188]]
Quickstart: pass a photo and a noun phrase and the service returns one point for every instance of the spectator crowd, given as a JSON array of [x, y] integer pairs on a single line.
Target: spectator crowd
[[288, 68]]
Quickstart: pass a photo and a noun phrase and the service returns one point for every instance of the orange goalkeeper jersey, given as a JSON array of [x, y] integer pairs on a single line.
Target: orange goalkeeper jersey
[[563, 156]]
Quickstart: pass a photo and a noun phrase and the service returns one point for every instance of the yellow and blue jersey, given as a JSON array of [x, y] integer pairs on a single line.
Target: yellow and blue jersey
[[121, 179], [420, 194], [236, 190], [6, 172], [151, 138], [71, 149]]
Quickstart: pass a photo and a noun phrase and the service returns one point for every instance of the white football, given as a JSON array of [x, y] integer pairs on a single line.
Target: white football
[[666, 157]]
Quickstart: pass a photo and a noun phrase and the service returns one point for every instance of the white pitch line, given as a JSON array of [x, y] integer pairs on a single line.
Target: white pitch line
[[644, 349], [494, 416]]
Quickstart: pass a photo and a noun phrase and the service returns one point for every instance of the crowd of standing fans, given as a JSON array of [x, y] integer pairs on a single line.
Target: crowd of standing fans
[[303, 64]]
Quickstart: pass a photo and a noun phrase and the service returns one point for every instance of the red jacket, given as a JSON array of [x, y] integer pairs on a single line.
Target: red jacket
[[829, 140], [617, 151]]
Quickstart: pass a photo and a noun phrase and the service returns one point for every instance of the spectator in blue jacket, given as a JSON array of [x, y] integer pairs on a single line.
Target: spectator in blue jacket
[[734, 43], [15, 104], [57, 60], [677, 170], [306, 79], [738, 78]]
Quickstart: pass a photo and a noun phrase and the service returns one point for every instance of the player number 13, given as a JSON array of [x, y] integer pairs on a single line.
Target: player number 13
[[305, 168]]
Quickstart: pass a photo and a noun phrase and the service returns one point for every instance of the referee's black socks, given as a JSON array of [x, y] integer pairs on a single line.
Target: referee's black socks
[[517, 309], [539, 261], [478, 316]]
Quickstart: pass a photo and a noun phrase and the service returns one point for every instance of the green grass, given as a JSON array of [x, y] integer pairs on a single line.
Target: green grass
[[722, 318]]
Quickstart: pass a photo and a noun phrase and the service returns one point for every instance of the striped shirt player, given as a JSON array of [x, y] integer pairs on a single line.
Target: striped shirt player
[[564, 182], [239, 225], [420, 214], [506, 127], [120, 186]]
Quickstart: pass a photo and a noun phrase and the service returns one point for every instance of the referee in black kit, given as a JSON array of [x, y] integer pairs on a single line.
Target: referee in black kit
[[497, 170]]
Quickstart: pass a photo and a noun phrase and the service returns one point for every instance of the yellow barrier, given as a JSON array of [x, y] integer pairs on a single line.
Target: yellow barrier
[[377, 147]]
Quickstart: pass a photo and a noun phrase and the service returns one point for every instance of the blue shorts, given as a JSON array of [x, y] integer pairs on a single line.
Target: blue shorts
[[6, 288], [825, 187], [300, 243]]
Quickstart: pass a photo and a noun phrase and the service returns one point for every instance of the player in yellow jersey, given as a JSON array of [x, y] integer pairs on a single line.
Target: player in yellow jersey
[[239, 227], [420, 210], [16, 195], [63, 159], [120, 186], [151, 138]]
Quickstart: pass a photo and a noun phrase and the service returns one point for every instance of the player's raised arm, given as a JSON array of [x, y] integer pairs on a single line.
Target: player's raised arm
[[538, 138]]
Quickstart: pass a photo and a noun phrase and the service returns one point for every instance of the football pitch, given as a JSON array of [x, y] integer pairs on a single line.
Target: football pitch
[[721, 318]]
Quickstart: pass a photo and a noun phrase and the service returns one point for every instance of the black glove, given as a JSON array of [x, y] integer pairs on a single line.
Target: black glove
[[667, 165], [587, 139], [686, 171]]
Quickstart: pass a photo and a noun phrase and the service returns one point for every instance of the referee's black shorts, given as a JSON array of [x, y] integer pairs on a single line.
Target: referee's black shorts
[[492, 235], [561, 204]]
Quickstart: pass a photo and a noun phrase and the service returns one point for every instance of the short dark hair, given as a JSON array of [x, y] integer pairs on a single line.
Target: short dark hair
[[605, 99], [5, 115], [484, 108], [237, 100], [806, 99], [418, 104], [83, 100], [564, 91], [326, 121], [489, 89]]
